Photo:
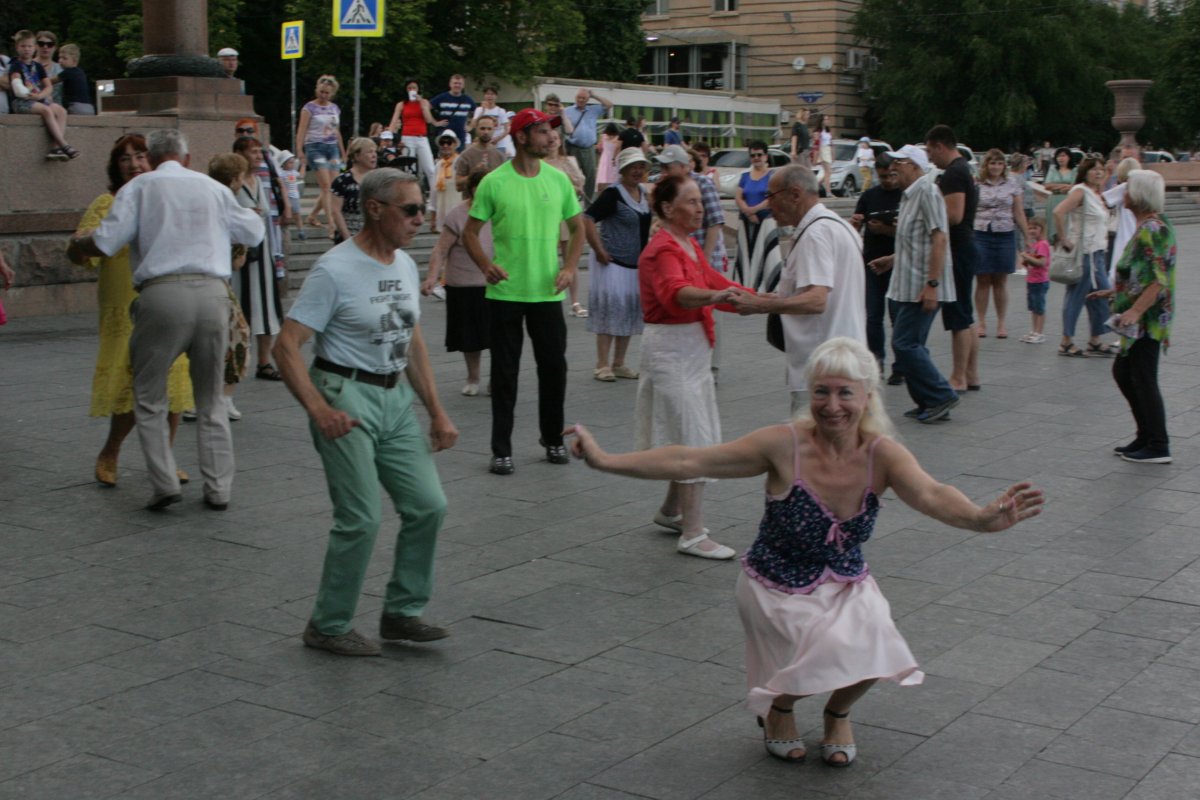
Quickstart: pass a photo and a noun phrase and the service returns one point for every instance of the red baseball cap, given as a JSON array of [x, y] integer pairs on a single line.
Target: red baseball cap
[[531, 116]]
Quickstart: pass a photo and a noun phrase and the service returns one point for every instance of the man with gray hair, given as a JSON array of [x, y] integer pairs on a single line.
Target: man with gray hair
[[360, 302], [180, 226], [822, 292]]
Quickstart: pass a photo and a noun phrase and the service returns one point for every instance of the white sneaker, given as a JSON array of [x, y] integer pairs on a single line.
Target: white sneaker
[[231, 410], [471, 389], [439, 293]]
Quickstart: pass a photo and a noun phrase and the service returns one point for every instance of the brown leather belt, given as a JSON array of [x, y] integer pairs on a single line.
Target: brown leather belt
[[362, 376]]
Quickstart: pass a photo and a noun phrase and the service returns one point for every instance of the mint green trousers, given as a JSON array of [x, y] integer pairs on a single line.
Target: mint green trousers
[[388, 449]]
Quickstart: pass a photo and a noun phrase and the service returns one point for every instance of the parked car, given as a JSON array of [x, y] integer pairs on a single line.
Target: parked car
[[1156, 157], [845, 180], [731, 164]]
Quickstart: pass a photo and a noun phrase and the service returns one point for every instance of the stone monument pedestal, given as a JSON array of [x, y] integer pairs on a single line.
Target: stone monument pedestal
[[181, 96]]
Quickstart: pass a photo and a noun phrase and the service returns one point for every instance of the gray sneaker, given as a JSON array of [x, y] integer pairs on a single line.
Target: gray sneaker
[[410, 628], [352, 643]]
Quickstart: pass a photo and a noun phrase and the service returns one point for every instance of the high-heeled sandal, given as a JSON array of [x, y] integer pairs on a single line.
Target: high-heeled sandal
[[829, 750], [779, 748]]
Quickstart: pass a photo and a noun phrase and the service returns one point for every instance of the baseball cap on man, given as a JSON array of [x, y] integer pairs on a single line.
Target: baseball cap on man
[[227, 51], [387, 135], [673, 154], [531, 116], [911, 152], [448, 134]]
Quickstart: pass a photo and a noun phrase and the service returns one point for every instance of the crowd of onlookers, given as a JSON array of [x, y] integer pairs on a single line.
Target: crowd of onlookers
[[33, 82]]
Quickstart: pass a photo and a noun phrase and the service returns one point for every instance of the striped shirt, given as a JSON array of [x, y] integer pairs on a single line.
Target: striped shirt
[[713, 215], [922, 211]]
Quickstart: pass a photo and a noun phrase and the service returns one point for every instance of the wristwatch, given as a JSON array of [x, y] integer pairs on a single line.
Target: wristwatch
[[932, 284]]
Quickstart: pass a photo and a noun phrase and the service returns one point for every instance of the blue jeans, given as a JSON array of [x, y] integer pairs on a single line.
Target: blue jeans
[[926, 385], [1095, 277]]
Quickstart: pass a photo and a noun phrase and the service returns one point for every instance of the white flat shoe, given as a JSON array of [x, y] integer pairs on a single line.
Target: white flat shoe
[[471, 389], [673, 523], [689, 547]]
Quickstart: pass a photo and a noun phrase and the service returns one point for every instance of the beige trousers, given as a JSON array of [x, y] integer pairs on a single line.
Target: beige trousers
[[182, 314]]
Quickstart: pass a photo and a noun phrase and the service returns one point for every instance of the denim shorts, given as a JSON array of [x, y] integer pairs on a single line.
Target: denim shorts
[[321, 155], [1035, 296]]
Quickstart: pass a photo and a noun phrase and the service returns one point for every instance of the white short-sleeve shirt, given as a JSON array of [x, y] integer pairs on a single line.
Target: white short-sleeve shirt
[[828, 253]]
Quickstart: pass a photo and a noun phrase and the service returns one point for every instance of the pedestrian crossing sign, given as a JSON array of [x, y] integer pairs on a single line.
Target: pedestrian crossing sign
[[292, 39], [358, 17]]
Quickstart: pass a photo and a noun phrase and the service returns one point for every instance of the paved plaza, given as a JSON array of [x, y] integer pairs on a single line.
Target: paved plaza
[[154, 656]]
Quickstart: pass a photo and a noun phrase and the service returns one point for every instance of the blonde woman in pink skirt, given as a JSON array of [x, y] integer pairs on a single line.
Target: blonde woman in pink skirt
[[815, 620]]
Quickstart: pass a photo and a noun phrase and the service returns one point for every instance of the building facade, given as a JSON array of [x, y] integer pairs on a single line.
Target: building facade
[[800, 53]]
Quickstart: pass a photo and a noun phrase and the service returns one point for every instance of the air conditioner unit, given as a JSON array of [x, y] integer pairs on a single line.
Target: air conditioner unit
[[855, 58]]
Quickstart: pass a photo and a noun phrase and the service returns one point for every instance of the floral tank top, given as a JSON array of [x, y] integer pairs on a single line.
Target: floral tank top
[[801, 544]]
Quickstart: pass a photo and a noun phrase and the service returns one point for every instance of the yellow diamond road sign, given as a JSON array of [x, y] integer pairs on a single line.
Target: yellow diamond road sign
[[292, 39], [358, 17]]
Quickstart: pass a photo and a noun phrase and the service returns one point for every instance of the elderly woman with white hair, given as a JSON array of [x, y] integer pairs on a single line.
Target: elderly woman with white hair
[[814, 618], [1143, 305]]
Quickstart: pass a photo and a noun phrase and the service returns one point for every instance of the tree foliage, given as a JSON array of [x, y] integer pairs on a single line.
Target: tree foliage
[[1006, 72], [612, 45]]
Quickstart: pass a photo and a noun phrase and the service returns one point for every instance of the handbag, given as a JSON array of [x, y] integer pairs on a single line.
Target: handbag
[[1066, 266], [775, 321]]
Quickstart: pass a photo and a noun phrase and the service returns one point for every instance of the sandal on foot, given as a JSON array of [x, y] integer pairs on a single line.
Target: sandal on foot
[[1071, 351], [70, 152], [1102, 349], [690, 547], [829, 749], [625, 372], [106, 471], [577, 310], [268, 373], [780, 748]]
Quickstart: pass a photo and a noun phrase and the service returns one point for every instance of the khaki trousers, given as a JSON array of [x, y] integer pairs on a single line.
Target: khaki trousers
[[182, 314]]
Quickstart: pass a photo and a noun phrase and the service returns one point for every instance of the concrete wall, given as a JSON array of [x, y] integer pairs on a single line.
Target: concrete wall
[[41, 201]]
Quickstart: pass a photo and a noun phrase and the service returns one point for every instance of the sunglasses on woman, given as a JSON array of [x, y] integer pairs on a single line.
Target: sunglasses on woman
[[45, 44]]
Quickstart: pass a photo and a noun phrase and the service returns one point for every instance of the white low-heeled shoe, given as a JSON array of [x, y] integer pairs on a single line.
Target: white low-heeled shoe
[[689, 548]]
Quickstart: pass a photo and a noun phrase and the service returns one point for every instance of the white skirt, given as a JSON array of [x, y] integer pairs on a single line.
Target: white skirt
[[805, 644], [676, 398]]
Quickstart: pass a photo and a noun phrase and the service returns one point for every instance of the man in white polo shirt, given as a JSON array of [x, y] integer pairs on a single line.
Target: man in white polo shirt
[[179, 225]]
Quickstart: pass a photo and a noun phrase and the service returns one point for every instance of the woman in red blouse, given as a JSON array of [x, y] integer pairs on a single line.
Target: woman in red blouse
[[677, 401]]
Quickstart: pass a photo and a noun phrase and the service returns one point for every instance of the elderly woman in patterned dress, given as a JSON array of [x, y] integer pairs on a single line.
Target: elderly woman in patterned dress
[[814, 618], [623, 212]]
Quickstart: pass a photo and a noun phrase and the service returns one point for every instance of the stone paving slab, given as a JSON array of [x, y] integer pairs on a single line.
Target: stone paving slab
[[157, 655]]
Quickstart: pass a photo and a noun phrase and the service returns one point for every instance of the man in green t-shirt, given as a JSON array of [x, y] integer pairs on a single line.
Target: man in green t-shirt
[[527, 201]]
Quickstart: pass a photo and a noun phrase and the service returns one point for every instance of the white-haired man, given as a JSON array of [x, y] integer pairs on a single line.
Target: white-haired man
[[821, 288]]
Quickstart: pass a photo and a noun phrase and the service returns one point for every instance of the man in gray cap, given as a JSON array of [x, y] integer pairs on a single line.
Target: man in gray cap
[[677, 160], [229, 60]]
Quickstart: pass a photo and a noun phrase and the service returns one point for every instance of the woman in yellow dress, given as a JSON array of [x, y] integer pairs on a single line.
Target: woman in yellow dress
[[112, 385]]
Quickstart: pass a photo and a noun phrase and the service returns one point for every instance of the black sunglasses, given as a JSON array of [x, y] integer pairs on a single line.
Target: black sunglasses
[[45, 44], [409, 209], [243, 130]]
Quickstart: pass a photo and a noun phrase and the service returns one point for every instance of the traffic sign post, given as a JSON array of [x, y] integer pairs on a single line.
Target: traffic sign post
[[358, 18], [291, 43]]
